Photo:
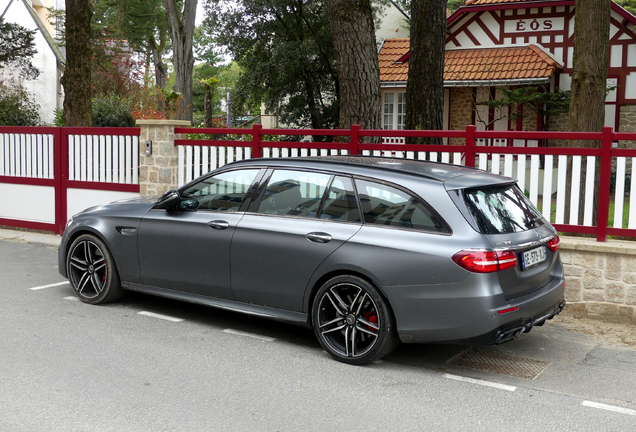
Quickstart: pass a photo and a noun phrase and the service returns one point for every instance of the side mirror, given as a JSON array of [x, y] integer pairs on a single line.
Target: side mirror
[[169, 200]]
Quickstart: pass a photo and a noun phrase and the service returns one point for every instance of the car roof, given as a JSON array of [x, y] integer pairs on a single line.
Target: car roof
[[438, 171]]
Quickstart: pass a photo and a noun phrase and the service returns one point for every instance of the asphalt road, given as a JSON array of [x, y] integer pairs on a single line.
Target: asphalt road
[[67, 366]]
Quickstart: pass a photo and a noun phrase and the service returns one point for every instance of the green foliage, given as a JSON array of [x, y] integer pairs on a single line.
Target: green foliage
[[206, 52], [138, 22], [453, 5], [628, 5], [544, 103], [17, 108], [112, 112], [286, 54], [122, 33], [17, 46], [58, 121]]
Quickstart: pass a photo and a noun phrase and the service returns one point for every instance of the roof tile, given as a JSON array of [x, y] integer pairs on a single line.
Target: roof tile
[[485, 2], [466, 64]]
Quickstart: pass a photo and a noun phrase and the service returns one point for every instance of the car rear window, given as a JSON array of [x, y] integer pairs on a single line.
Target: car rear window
[[502, 209]]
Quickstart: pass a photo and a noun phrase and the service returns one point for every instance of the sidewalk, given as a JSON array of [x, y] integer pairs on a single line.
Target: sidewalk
[[30, 237]]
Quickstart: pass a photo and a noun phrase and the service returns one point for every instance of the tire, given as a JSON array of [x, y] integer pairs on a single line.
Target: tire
[[352, 321], [92, 272]]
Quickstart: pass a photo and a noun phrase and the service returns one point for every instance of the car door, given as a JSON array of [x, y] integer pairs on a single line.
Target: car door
[[188, 248], [288, 233]]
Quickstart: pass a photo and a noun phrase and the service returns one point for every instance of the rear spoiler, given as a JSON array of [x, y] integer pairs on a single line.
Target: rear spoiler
[[476, 179]]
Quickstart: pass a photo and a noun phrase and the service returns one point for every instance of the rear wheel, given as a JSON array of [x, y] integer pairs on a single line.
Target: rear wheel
[[352, 321], [92, 272]]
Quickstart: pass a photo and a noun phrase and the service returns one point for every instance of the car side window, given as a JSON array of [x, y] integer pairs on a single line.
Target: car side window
[[340, 203], [294, 193], [222, 192], [389, 206]]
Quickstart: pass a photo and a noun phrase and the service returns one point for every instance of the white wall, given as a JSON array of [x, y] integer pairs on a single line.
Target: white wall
[[393, 25], [81, 199], [37, 203], [27, 202], [44, 89]]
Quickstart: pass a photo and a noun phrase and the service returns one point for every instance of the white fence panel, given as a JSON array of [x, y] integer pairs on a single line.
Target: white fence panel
[[40, 207], [26, 155], [521, 172], [508, 165], [547, 188], [589, 191], [103, 158], [534, 179], [631, 224], [619, 193], [561, 187], [129, 167], [576, 189]]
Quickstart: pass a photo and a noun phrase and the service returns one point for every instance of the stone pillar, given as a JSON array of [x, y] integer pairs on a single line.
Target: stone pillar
[[158, 172]]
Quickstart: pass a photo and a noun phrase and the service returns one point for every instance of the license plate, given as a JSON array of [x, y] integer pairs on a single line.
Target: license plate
[[533, 257]]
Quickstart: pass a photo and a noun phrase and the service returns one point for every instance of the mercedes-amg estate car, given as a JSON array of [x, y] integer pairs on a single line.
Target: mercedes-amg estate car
[[367, 251]]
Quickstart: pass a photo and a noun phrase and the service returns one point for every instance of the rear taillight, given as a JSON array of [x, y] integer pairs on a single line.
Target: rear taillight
[[554, 244], [485, 261]]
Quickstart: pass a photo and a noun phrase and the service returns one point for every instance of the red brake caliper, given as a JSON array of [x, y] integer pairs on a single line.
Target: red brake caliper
[[372, 317]]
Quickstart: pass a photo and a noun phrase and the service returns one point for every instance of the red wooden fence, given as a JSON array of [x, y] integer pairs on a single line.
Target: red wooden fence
[[257, 139]]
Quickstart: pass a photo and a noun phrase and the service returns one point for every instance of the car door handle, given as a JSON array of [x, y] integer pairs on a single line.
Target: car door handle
[[218, 224], [319, 237]]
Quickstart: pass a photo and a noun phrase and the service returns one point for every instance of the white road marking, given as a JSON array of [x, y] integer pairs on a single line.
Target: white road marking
[[481, 382], [163, 317], [609, 408], [252, 335], [71, 298], [49, 286]]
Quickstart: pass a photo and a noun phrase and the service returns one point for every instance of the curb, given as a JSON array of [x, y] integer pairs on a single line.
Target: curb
[[30, 237]]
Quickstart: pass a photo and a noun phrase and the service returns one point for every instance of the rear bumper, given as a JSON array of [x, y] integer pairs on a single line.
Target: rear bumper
[[468, 312], [509, 334]]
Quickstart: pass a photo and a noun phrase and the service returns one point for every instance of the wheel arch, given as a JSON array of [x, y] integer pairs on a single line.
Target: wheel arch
[[80, 232], [311, 297]]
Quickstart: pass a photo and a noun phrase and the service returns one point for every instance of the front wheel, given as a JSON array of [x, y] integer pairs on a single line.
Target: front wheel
[[352, 321], [92, 272]]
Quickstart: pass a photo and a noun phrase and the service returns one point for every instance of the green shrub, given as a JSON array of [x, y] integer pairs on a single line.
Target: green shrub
[[112, 112], [58, 121], [17, 108]]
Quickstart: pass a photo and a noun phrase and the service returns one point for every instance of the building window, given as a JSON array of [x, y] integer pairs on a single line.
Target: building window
[[58, 25], [388, 111], [394, 110], [401, 110]]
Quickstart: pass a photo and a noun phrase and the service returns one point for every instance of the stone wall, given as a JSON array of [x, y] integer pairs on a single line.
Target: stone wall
[[600, 279], [158, 172], [461, 111], [627, 123]]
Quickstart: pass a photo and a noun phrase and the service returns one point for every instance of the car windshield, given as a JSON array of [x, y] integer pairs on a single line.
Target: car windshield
[[502, 209]]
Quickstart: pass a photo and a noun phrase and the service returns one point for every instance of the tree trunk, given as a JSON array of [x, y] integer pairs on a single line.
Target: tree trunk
[[207, 107], [589, 82], [181, 28], [77, 76], [425, 85], [357, 57], [161, 72]]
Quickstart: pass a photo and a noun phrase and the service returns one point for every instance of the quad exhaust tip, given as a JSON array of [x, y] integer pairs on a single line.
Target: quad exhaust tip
[[514, 332]]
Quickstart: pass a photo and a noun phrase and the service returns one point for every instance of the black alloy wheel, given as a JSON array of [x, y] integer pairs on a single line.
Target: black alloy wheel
[[352, 321], [91, 271]]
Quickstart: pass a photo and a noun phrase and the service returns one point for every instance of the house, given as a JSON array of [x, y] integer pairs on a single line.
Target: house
[[494, 44], [393, 23], [45, 90]]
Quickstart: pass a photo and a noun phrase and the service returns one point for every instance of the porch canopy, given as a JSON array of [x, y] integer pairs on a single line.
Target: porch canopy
[[474, 67]]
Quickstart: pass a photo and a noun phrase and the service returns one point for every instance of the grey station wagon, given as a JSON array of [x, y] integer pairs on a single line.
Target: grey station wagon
[[367, 251]]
